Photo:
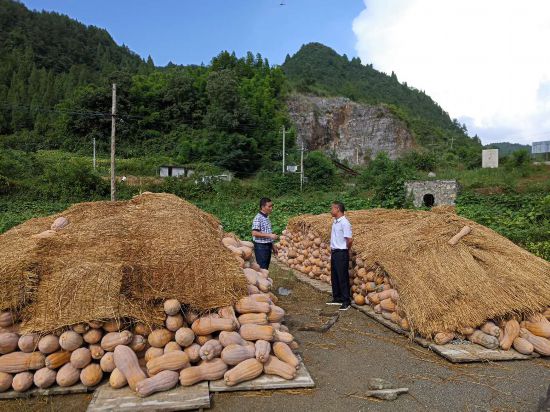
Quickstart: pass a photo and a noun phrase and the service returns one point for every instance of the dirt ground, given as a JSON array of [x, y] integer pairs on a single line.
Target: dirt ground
[[357, 348]]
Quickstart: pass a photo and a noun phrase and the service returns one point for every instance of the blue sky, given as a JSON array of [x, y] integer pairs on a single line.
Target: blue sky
[[184, 31]]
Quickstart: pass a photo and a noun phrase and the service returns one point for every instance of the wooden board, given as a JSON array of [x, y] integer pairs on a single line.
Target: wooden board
[[54, 390], [266, 382], [178, 399]]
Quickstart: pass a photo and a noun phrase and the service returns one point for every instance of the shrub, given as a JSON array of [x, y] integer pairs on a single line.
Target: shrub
[[319, 169]]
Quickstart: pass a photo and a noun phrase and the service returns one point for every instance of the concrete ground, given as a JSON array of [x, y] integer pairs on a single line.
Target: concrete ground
[[357, 348]]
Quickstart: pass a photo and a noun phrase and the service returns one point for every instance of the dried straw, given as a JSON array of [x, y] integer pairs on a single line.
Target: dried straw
[[120, 259], [443, 287]]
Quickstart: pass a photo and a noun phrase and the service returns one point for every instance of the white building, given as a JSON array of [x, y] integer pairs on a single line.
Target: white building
[[174, 171]]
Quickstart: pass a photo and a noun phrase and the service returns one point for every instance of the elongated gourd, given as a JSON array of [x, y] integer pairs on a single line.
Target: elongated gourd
[[113, 339], [211, 349], [511, 332], [231, 338], [57, 359], [44, 378], [127, 363], [540, 344], [250, 305], [138, 343], [81, 358], [68, 375], [523, 346], [262, 349], [207, 371], [185, 337], [171, 347], [284, 353], [443, 338], [163, 381], [257, 332], [483, 339], [490, 329], [388, 305], [5, 381], [206, 325], [152, 353], [171, 361], [117, 379], [275, 366], [160, 337], [276, 314], [91, 375], [244, 371], [22, 381], [70, 340], [8, 342], [17, 362], [538, 325], [235, 354], [255, 318], [280, 336], [193, 351]]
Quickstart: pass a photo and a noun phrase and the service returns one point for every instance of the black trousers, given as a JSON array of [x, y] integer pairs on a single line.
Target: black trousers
[[339, 273], [262, 251]]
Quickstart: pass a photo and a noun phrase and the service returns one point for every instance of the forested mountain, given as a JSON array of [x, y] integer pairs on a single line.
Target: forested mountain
[[505, 148]]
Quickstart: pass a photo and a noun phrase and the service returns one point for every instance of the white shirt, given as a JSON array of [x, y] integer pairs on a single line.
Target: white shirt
[[341, 229]]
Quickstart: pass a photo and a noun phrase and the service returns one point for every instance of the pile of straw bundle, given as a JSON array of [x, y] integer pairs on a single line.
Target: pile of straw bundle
[[235, 342], [405, 266]]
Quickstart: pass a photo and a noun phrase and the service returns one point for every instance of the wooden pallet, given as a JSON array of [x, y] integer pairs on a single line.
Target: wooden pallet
[[178, 399], [457, 352], [55, 390]]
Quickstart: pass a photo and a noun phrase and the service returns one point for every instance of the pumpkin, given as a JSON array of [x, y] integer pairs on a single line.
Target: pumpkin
[[264, 284], [16, 362], [115, 325], [174, 322], [113, 339], [107, 362], [274, 299], [95, 324], [465, 331], [70, 340], [68, 375], [261, 297], [280, 336], [483, 339], [93, 336], [252, 289], [117, 379], [538, 325], [251, 276], [490, 329], [207, 371], [257, 332], [385, 294], [359, 300], [28, 343], [6, 319], [523, 346], [193, 351], [262, 349], [185, 337], [208, 324], [81, 328], [210, 350], [244, 371], [160, 337], [255, 318], [142, 329], [227, 312], [275, 366], [81, 358], [234, 354], [172, 307], [443, 338], [48, 344], [250, 305], [511, 332], [171, 347], [22, 381], [96, 351], [152, 353], [44, 378], [276, 314], [387, 305], [540, 344], [5, 381], [405, 324], [57, 359], [162, 381], [285, 354], [91, 375], [8, 342], [202, 339], [373, 298], [171, 361], [127, 363]]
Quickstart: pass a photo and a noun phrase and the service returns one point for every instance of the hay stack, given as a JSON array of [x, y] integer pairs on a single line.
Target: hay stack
[[117, 259], [441, 288]]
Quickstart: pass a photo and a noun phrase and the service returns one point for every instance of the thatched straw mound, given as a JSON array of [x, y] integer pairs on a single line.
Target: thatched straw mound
[[117, 259], [443, 287]]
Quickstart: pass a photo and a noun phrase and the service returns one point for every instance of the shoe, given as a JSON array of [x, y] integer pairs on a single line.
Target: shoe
[[345, 306], [333, 302]]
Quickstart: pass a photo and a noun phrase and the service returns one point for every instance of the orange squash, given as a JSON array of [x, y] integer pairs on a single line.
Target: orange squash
[[184, 337], [160, 337], [206, 371], [538, 325], [17, 362], [193, 351], [206, 325], [540, 344], [5, 381], [117, 379], [81, 358], [490, 329], [93, 336], [262, 350], [127, 363], [211, 349], [284, 353], [244, 371], [254, 318], [68, 375], [171, 361], [229, 338], [257, 332], [250, 305], [523, 346], [235, 354], [107, 362], [511, 332], [91, 375], [57, 359], [28, 343], [44, 378], [443, 338], [70, 340], [22, 381], [275, 366], [162, 381], [8, 342], [48, 344], [96, 351]]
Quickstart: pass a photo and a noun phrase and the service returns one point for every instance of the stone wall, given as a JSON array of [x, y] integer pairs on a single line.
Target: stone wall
[[444, 192], [354, 132]]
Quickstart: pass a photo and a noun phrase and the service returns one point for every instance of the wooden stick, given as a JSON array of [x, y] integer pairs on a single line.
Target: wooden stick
[[456, 238]]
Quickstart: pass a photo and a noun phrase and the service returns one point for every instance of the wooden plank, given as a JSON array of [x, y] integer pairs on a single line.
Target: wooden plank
[[178, 399], [55, 390], [267, 382]]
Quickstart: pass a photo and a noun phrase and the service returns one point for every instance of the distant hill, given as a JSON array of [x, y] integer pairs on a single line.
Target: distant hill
[[505, 148], [318, 69]]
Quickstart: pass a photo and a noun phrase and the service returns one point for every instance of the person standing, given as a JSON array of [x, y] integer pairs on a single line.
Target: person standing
[[262, 234], [340, 245]]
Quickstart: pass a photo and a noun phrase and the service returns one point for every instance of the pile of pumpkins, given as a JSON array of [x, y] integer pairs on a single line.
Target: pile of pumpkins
[[236, 343]]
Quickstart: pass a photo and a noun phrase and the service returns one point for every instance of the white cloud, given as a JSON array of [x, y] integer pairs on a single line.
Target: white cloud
[[486, 62]]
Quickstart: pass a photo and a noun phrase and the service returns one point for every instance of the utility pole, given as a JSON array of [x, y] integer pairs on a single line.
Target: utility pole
[[113, 131], [94, 154], [302, 167], [284, 149]]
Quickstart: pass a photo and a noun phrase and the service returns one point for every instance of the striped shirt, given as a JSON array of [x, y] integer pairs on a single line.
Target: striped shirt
[[261, 223]]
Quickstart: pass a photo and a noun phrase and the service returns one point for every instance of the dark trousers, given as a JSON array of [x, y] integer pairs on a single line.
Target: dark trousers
[[339, 274], [262, 251]]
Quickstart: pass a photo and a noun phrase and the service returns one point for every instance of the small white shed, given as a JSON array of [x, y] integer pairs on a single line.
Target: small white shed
[[173, 171]]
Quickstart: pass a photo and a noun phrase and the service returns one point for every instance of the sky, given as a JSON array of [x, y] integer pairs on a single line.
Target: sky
[[487, 63]]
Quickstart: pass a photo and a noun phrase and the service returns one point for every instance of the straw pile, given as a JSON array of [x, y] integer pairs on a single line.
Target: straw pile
[[435, 287], [236, 342], [116, 260]]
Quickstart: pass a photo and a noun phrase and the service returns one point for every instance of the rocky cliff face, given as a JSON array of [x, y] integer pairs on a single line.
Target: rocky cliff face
[[354, 132]]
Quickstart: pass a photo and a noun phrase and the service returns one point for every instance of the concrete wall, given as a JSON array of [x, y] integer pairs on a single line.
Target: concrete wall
[[489, 158], [443, 191]]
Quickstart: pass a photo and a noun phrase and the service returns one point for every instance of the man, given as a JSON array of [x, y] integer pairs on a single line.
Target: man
[[262, 234], [340, 244]]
